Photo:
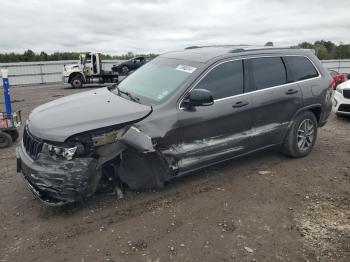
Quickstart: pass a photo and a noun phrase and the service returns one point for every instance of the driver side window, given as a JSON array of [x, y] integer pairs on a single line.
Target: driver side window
[[224, 80]]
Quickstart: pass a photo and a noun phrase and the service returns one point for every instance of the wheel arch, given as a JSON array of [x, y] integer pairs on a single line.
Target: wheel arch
[[316, 109], [74, 74]]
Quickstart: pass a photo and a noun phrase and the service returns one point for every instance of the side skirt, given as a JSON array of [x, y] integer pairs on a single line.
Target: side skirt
[[190, 171]]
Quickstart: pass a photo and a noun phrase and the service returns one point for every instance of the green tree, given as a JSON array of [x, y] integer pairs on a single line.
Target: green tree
[[306, 45], [43, 56], [321, 52], [28, 56]]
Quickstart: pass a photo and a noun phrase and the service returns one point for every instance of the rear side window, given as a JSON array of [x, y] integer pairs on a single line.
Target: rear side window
[[224, 80], [301, 68], [268, 72]]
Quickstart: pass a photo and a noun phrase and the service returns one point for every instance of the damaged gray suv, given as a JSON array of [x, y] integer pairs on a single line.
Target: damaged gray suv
[[181, 112]]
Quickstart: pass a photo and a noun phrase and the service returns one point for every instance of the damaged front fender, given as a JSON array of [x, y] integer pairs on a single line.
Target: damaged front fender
[[137, 139], [127, 154]]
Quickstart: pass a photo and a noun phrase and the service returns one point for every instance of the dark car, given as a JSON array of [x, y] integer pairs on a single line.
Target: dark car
[[180, 112], [130, 65]]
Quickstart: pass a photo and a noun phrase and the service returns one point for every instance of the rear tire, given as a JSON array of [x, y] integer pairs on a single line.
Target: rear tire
[[5, 140], [77, 82], [301, 136], [125, 70]]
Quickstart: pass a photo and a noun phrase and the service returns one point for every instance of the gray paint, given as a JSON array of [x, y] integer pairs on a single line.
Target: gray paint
[[67, 116], [186, 139]]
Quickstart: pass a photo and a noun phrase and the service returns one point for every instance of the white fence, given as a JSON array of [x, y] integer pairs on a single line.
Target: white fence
[[31, 73], [342, 66]]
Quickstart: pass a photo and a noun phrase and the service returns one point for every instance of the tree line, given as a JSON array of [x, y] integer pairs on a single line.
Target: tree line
[[323, 49], [31, 56], [328, 50]]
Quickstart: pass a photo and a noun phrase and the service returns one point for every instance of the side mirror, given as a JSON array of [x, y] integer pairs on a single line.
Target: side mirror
[[198, 97]]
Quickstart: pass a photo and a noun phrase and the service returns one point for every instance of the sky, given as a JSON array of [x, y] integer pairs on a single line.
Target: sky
[[144, 26]]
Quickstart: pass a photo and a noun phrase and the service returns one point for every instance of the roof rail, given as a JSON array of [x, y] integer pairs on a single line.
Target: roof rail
[[244, 48], [238, 50], [205, 46]]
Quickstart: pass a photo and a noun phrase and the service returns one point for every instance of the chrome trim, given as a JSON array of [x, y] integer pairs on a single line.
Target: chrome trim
[[251, 92], [343, 112]]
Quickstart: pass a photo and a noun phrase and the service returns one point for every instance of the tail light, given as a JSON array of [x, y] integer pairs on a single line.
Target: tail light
[[332, 84]]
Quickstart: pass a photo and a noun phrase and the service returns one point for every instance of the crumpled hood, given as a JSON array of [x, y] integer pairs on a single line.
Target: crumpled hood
[[67, 116]]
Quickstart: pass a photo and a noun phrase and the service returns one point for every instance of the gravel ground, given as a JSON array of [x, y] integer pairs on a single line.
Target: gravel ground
[[297, 210]]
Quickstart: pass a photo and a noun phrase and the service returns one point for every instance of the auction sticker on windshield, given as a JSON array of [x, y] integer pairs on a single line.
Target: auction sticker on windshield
[[186, 68]]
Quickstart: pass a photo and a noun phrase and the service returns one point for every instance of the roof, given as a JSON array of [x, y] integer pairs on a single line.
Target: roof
[[203, 54]]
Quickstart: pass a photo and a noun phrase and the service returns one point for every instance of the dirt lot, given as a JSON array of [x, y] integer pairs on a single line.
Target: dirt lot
[[298, 210]]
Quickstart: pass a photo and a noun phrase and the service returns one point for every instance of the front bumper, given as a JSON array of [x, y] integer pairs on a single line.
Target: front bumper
[[58, 182], [65, 79], [341, 105]]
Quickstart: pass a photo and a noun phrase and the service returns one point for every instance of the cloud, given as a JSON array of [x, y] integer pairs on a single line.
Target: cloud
[[157, 26]]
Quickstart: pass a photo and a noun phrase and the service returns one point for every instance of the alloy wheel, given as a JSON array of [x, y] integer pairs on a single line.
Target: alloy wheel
[[305, 134]]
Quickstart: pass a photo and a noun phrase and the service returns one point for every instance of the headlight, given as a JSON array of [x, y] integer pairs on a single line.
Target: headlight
[[67, 153], [338, 89]]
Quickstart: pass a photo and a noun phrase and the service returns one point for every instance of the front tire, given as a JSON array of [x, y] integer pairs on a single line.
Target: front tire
[[302, 135], [142, 171], [77, 82]]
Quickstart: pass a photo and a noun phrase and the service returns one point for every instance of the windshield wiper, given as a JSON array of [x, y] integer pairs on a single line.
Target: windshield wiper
[[133, 98]]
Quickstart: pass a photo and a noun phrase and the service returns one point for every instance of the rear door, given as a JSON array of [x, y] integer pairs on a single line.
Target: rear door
[[307, 77], [212, 133], [276, 99]]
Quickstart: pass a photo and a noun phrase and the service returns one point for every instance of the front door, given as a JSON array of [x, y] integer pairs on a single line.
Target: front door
[[210, 134]]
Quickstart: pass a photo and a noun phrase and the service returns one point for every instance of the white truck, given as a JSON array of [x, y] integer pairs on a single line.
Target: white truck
[[87, 71]]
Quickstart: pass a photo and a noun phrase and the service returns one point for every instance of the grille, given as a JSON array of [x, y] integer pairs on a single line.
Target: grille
[[346, 93], [344, 108], [32, 144]]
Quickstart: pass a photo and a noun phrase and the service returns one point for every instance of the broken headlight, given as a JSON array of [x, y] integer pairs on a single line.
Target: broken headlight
[[66, 152]]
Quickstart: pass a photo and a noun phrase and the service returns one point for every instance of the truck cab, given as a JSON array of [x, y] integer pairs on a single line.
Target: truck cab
[[88, 70]]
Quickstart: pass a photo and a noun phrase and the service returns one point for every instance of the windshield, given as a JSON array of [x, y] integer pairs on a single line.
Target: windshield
[[158, 79]]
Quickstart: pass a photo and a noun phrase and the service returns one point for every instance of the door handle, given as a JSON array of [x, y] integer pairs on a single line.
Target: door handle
[[240, 104], [291, 91]]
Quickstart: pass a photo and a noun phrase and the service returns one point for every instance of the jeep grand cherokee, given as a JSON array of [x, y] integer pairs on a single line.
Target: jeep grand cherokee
[[180, 112]]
